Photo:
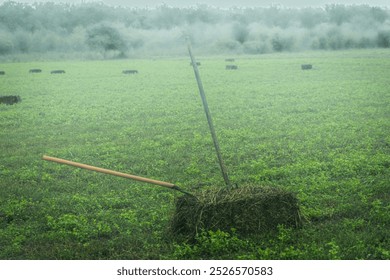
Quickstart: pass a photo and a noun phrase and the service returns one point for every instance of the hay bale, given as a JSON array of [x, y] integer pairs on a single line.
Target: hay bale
[[231, 67], [10, 99], [306, 66], [127, 72], [35, 71], [57, 72], [249, 210]]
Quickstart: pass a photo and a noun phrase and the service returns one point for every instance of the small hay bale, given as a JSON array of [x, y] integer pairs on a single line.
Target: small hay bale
[[35, 71], [10, 99], [57, 72], [249, 210], [231, 67], [130, 72], [306, 66]]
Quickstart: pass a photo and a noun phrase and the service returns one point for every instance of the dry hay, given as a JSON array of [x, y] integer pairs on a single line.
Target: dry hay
[[249, 210]]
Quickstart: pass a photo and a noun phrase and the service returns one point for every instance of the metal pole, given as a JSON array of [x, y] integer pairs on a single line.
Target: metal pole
[[208, 116]]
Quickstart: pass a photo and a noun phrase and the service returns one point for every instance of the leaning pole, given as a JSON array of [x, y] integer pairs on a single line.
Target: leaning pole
[[208, 116]]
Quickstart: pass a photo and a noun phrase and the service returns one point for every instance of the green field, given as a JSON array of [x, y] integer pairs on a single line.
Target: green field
[[322, 133]]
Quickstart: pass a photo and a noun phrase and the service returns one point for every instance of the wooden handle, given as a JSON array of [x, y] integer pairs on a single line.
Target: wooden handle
[[111, 172]]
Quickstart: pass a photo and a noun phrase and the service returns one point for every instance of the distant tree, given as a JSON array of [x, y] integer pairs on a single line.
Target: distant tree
[[366, 42], [338, 13], [202, 13], [106, 38], [280, 44], [379, 14], [320, 43], [277, 44], [277, 16], [335, 39], [228, 45], [11, 15], [383, 39], [6, 45], [88, 14], [22, 41], [310, 17], [257, 47], [165, 17], [240, 32]]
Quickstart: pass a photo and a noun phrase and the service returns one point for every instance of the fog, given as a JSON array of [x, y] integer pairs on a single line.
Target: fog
[[220, 3], [97, 31]]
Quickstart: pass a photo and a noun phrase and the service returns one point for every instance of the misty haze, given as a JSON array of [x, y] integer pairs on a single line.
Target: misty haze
[[96, 30]]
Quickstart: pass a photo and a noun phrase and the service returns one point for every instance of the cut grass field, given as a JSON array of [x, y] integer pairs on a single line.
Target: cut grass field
[[322, 133]]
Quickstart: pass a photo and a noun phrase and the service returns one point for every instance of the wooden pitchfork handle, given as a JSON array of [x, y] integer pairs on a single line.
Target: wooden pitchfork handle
[[112, 172]]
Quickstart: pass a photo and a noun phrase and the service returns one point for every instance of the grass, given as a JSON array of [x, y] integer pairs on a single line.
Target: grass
[[322, 133]]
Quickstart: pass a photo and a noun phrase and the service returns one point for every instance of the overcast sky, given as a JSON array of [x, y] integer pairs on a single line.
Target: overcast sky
[[222, 3]]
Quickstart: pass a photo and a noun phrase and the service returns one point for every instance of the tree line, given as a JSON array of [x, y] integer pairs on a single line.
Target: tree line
[[102, 31]]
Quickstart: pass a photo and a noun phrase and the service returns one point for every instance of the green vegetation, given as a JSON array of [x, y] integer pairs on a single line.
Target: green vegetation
[[322, 133]]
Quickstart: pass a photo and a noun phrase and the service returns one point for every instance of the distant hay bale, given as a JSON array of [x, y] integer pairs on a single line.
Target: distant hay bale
[[249, 210], [35, 71], [229, 59], [57, 72], [10, 99], [231, 67], [2, 72], [306, 66], [127, 72]]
